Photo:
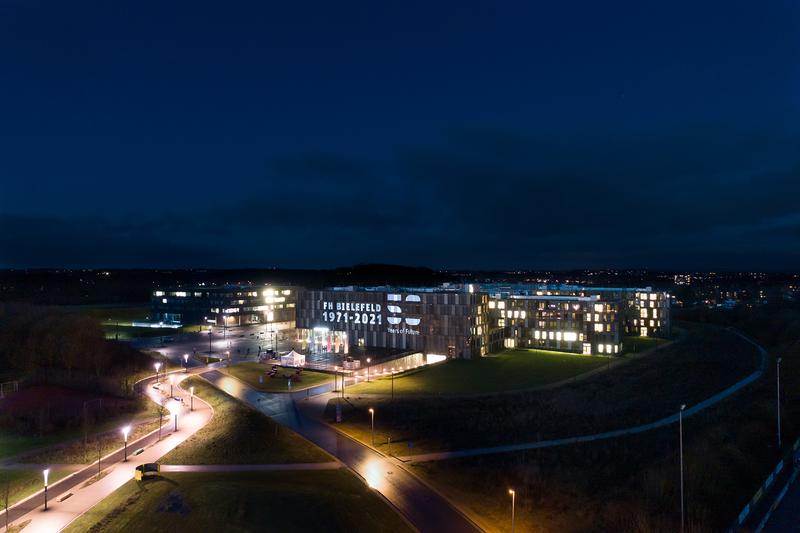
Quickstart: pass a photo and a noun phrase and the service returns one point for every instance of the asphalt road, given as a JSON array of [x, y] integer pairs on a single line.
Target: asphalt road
[[786, 518], [421, 505], [238, 340]]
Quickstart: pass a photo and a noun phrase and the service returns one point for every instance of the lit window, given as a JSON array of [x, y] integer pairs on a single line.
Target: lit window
[[598, 308], [558, 335], [522, 314], [491, 304], [600, 348], [163, 300], [570, 336], [536, 334], [643, 313], [501, 305], [598, 328], [551, 335]]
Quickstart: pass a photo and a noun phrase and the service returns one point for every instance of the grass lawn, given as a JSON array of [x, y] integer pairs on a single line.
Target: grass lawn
[[80, 453], [75, 452], [238, 434], [507, 371], [23, 483], [705, 362], [250, 372], [640, 344], [330, 500]]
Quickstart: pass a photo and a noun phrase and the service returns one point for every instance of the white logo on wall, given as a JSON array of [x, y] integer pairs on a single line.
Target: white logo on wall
[[398, 320]]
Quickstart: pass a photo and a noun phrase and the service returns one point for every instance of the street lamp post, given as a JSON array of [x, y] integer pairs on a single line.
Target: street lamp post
[[158, 366], [173, 409], [368, 361], [680, 426], [778, 401], [45, 473], [393, 384], [125, 431], [191, 398], [372, 424], [209, 340], [171, 382], [513, 502], [186, 361]]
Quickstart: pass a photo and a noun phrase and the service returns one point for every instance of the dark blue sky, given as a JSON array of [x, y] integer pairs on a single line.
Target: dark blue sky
[[487, 135]]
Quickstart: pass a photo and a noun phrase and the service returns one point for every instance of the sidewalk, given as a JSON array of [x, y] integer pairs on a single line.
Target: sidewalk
[[83, 496]]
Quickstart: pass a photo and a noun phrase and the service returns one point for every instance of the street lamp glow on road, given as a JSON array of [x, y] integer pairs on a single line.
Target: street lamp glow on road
[[372, 416], [158, 366], [186, 361], [125, 431], [513, 502], [45, 473], [191, 398]]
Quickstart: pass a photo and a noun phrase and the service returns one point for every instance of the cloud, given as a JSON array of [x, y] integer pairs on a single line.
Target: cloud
[[694, 197]]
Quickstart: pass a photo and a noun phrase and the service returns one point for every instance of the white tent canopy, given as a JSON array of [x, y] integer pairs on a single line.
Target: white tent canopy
[[293, 359]]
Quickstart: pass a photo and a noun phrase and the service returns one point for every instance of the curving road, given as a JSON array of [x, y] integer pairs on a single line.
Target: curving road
[[422, 506]]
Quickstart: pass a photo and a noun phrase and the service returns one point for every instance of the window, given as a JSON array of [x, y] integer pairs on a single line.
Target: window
[[598, 308], [491, 304], [570, 336], [600, 348], [643, 313], [598, 328], [587, 348]]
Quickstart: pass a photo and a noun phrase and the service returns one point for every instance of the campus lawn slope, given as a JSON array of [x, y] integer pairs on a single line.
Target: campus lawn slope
[[507, 371], [238, 434]]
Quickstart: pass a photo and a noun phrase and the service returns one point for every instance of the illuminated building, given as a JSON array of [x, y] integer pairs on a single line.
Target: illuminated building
[[445, 320], [230, 305]]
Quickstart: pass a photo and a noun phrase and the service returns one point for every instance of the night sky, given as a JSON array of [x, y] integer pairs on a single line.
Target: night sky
[[454, 135]]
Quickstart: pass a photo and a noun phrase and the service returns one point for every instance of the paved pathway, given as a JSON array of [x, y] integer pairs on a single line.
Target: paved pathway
[[332, 465], [422, 506], [672, 419], [80, 497]]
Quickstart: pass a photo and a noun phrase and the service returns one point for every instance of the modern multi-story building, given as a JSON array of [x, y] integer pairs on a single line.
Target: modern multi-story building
[[588, 320], [445, 320], [228, 305], [462, 321]]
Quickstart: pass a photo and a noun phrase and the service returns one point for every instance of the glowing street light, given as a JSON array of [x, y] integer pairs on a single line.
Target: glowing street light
[[174, 408], [171, 382], [372, 415], [125, 431], [45, 473], [368, 361], [191, 398], [186, 361], [158, 366], [513, 501]]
